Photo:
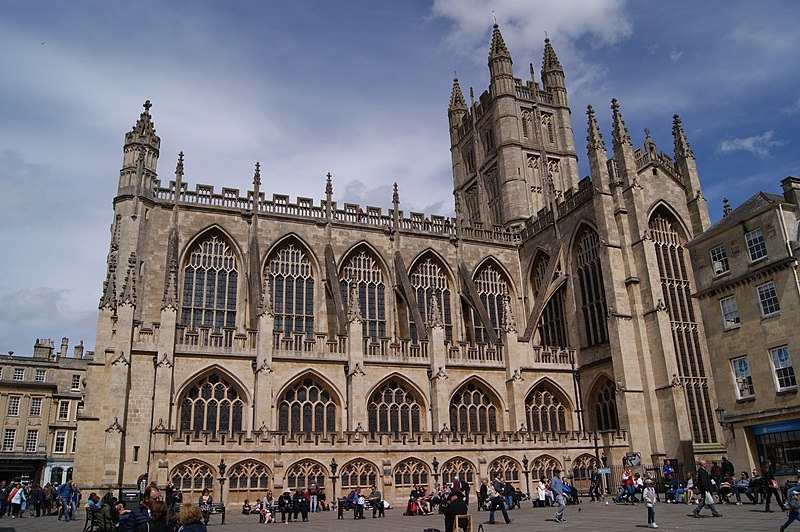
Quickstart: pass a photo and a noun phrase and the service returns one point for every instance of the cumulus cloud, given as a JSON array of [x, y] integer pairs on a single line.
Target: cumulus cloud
[[758, 145]]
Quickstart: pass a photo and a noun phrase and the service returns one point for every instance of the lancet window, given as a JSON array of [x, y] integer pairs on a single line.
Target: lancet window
[[209, 286], [493, 289], [410, 472], [193, 477], [291, 281], [472, 410], [307, 407], [494, 198], [543, 466], [302, 474], [582, 467], [676, 293], [429, 280], [605, 407], [457, 467], [593, 296], [364, 273], [545, 410], [394, 408], [506, 468], [553, 322], [359, 474], [212, 405]]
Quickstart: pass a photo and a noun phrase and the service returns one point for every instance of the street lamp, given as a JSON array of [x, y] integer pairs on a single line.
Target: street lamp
[[526, 471], [435, 465], [720, 412], [334, 466], [222, 467]]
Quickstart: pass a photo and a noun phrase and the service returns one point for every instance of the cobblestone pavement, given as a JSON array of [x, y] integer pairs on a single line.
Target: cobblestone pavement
[[587, 516]]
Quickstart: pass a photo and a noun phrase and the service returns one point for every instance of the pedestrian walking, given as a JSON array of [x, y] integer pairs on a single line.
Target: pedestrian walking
[[703, 485], [557, 486]]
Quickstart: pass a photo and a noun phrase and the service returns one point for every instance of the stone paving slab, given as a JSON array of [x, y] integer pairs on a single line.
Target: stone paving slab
[[585, 517]]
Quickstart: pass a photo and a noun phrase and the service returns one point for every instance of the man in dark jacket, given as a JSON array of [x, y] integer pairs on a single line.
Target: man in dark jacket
[[457, 506], [141, 515], [703, 485]]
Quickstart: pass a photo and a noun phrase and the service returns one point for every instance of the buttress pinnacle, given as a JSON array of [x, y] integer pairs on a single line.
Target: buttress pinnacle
[[620, 133], [594, 139], [682, 148]]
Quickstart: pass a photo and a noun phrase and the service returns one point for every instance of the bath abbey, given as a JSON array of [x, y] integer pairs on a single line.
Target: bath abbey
[[248, 341]]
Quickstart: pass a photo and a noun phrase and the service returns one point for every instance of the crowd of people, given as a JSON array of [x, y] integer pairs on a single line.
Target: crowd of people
[[18, 499]]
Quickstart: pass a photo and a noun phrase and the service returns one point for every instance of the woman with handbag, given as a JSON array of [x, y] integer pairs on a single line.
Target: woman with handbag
[[204, 503], [771, 486]]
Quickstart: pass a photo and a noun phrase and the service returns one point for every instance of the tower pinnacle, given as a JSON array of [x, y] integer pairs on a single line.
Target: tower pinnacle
[[498, 48], [682, 148], [457, 102], [594, 138], [550, 59], [620, 134]]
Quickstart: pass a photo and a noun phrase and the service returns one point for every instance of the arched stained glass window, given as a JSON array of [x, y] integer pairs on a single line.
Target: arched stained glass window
[[409, 473], [209, 286], [364, 273], [212, 404], [492, 288], [307, 407], [247, 480], [605, 406], [192, 478], [429, 280], [457, 467], [553, 322], [302, 474], [543, 467], [472, 410], [545, 410], [505, 467], [291, 282], [593, 295], [394, 408], [359, 474]]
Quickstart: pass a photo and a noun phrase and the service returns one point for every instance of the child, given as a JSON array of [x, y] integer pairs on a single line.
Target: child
[[649, 496], [793, 503]]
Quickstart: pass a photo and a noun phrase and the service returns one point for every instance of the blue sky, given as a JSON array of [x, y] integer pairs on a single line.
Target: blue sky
[[359, 89]]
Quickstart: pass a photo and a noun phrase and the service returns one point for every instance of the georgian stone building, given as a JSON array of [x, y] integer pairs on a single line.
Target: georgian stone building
[[548, 323], [39, 401], [750, 298]]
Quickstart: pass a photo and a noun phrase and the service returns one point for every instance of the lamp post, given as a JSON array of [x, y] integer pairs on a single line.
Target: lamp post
[[334, 466], [435, 464], [222, 467], [526, 472], [720, 412]]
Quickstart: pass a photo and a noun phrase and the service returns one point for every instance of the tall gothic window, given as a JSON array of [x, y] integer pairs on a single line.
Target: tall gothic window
[[213, 405], [193, 477], [472, 410], [593, 296], [364, 272], [676, 293], [582, 467], [302, 474], [291, 283], [545, 411], [359, 474], [410, 472], [429, 280], [543, 466], [506, 468], [209, 286], [457, 467], [553, 323], [394, 408], [247, 480], [605, 407], [493, 195], [492, 288], [307, 407]]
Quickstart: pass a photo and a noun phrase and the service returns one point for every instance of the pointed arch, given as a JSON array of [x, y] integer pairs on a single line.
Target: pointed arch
[[582, 467], [214, 368], [542, 466], [475, 407], [547, 408], [303, 472], [247, 479], [506, 468], [364, 270], [494, 286], [460, 467], [430, 277], [395, 405], [666, 210], [308, 405], [192, 477], [552, 324], [289, 271], [358, 473], [603, 399], [410, 472], [210, 278], [591, 289], [213, 403]]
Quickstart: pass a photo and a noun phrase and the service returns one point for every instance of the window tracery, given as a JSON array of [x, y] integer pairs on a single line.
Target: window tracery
[[605, 407], [210, 279], [457, 467], [410, 472], [506, 468], [247, 479], [472, 410], [429, 280], [213, 405], [394, 408], [543, 466], [302, 474], [593, 297], [291, 282], [359, 474], [307, 407], [193, 477], [364, 272], [492, 288], [545, 411], [553, 322]]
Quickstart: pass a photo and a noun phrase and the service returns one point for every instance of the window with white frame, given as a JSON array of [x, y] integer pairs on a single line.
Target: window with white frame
[[768, 299], [719, 260], [19, 374], [63, 410], [742, 378], [31, 441], [756, 247], [60, 442], [784, 371], [76, 382], [36, 407], [730, 313], [13, 405], [40, 375], [9, 439]]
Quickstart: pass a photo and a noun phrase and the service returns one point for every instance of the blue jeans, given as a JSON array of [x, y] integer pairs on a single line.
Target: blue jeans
[[313, 503], [65, 509], [561, 503], [793, 516], [651, 515]]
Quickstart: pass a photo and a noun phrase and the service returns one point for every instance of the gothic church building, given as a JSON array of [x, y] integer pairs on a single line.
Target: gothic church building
[[268, 343]]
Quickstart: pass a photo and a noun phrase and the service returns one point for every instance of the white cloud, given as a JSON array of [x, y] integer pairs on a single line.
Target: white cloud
[[792, 108], [758, 145], [675, 55]]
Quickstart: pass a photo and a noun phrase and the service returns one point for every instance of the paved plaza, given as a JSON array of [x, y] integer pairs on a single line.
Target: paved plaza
[[587, 516]]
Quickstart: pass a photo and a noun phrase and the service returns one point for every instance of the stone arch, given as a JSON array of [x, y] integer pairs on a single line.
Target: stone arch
[[207, 371], [602, 398], [495, 289], [198, 237], [543, 466], [507, 468], [585, 252], [192, 477], [582, 467], [667, 210], [494, 261], [363, 268], [301, 473], [460, 467], [248, 479], [359, 473], [389, 408], [547, 408], [552, 325], [292, 271], [475, 407], [430, 277], [410, 472], [309, 404], [212, 402], [300, 241]]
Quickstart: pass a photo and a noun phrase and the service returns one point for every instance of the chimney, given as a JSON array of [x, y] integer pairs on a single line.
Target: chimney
[[64, 346], [43, 348], [791, 190], [78, 353]]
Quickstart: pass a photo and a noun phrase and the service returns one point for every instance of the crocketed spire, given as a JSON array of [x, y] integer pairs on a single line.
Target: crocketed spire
[[498, 48], [550, 59], [682, 148], [144, 126], [620, 134], [594, 139], [457, 102]]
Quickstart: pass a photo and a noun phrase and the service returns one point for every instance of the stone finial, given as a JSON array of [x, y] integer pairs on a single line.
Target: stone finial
[[550, 60], [109, 297], [328, 186], [620, 134], [594, 139], [726, 207], [144, 126], [395, 196], [170, 299], [129, 290], [498, 48], [179, 168], [682, 148], [116, 427], [509, 323], [435, 315], [457, 102], [265, 303], [354, 306], [257, 175], [649, 145]]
